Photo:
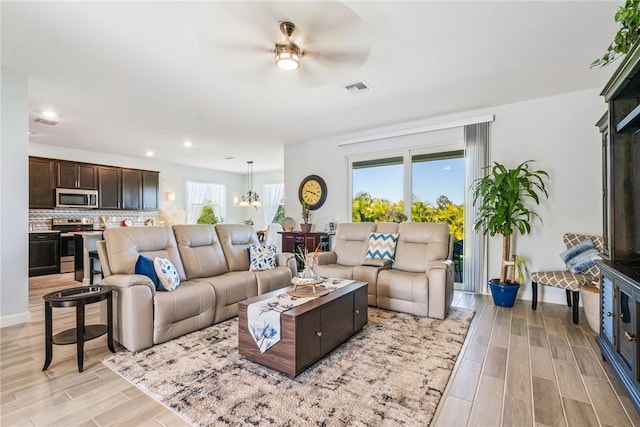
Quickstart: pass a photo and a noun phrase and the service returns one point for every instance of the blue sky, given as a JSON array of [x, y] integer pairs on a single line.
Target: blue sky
[[430, 180]]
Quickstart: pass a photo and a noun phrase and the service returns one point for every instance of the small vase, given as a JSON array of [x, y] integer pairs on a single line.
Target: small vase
[[305, 228]]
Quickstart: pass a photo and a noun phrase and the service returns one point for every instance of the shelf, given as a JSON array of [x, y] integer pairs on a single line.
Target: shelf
[[630, 121], [70, 335]]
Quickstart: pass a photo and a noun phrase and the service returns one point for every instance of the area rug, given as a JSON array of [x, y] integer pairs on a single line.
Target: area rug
[[393, 372]]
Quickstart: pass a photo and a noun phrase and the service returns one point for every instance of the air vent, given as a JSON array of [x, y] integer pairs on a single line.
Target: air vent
[[45, 121], [357, 87]]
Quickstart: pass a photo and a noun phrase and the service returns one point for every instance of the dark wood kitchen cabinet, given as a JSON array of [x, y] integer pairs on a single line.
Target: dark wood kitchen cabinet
[[131, 189], [44, 253], [109, 179], [150, 190], [118, 188], [76, 175], [41, 183]]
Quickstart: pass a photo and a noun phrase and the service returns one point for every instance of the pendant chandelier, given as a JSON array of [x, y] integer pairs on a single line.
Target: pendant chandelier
[[251, 199]]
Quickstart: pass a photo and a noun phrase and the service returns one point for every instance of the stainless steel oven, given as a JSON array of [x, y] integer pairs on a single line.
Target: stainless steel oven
[[68, 227]]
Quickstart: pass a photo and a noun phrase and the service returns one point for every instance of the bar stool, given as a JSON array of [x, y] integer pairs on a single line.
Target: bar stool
[[93, 256]]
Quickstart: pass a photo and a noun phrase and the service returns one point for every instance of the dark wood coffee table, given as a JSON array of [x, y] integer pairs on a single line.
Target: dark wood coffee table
[[308, 331]]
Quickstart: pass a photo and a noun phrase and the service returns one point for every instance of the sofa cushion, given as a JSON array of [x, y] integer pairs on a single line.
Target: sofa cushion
[[261, 259], [352, 241], [270, 280], [125, 244], [167, 274], [231, 288], [145, 266], [235, 239], [190, 307], [419, 243], [382, 246], [200, 250]]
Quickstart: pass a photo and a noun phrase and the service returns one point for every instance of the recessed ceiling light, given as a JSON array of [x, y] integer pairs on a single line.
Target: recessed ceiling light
[[48, 114], [149, 153], [187, 143]]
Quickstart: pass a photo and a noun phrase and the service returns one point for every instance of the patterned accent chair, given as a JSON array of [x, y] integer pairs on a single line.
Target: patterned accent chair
[[570, 282]]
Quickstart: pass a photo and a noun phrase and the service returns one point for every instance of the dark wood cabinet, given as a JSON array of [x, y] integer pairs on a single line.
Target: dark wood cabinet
[[620, 300], [41, 183], [131, 189], [150, 190], [620, 274], [109, 183], [76, 175], [118, 188], [308, 331], [297, 241], [44, 253]]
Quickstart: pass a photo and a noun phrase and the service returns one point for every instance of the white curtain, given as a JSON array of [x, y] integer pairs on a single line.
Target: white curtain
[[200, 194], [476, 153], [272, 195]]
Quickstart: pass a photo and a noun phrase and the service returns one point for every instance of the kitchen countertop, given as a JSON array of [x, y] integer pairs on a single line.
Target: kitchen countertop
[[44, 231]]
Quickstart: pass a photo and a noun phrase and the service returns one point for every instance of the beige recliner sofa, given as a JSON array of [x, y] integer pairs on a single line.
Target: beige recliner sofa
[[419, 280], [213, 266], [348, 259]]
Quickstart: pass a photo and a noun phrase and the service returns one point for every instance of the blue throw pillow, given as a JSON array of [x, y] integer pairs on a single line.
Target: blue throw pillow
[[581, 257], [144, 265]]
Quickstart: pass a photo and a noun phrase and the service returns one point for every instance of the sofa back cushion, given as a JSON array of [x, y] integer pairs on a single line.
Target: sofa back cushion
[[419, 243], [387, 227], [200, 250], [235, 240], [352, 241], [125, 244]]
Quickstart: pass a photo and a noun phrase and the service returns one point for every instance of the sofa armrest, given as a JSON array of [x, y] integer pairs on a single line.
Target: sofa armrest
[[133, 301], [288, 260], [325, 258], [439, 265], [123, 281], [440, 282]]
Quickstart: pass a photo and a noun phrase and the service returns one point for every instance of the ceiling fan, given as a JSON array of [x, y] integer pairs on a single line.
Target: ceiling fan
[[321, 41], [288, 53]]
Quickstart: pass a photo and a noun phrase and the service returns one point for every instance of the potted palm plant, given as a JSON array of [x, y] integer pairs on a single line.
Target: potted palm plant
[[500, 198]]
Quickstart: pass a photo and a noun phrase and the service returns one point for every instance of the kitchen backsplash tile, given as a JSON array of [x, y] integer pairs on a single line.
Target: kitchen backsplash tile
[[40, 219]]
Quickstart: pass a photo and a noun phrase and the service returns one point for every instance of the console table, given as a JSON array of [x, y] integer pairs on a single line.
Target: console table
[[297, 241]]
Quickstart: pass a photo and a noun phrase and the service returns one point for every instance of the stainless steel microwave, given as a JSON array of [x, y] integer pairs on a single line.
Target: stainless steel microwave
[[75, 198]]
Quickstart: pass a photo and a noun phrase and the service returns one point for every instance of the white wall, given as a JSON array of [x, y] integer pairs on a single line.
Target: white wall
[[14, 201], [172, 177], [558, 132]]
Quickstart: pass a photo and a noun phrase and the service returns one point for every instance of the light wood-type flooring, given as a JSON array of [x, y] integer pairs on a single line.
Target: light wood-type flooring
[[517, 367]]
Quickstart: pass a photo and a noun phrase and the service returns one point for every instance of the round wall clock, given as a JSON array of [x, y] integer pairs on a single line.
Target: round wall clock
[[313, 191]]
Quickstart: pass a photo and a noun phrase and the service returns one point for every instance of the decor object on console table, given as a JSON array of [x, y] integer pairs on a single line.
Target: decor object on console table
[[305, 227], [500, 198]]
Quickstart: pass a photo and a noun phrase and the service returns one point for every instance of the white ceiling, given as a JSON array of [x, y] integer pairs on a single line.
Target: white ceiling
[[126, 77]]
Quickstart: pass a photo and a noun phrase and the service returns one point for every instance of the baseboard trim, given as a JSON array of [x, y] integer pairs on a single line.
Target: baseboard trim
[[15, 319]]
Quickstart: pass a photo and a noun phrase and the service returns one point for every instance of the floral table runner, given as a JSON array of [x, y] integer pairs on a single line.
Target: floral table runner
[[263, 317]]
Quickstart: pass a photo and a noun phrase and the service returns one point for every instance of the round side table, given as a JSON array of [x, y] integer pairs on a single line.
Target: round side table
[[78, 298]]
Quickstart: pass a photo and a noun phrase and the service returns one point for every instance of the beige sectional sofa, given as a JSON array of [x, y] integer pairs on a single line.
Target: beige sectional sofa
[[419, 280], [212, 264]]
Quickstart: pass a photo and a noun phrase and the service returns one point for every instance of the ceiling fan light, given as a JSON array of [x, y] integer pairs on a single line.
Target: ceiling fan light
[[288, 57]]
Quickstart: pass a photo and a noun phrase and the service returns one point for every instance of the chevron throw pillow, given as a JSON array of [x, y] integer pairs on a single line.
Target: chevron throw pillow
[[382, 246]]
